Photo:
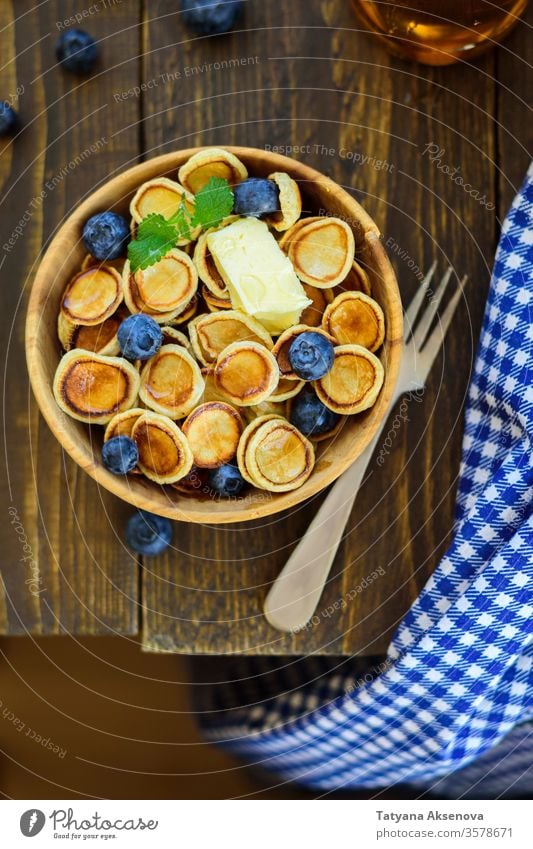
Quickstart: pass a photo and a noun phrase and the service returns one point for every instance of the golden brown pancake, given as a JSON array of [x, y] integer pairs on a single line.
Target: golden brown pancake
[[164, 453], [357, 280], [286, 389], [211, 162], [92, 295], [247, 373], [247, 433], [163, 289], [354, 381], [173, 336], [355, 319], [161, 196], [322, 252], [289, 235], [278, 457], [93, 388], [171, 382], [213, 431], [218, 330], [122, 423], [215, 302], [290, 201], [312, 315]]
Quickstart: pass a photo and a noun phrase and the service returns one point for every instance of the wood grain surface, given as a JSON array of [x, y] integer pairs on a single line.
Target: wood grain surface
[[292, 74]]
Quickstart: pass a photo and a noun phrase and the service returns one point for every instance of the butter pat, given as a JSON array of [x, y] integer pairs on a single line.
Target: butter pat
[[260, 278]]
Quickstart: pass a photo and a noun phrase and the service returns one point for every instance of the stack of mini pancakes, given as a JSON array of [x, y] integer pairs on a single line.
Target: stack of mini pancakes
[[220, 388]]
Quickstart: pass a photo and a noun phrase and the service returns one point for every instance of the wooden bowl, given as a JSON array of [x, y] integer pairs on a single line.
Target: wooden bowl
[[82, 442]]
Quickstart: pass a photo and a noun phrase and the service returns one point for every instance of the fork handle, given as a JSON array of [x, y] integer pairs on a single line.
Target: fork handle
[[294, 595]]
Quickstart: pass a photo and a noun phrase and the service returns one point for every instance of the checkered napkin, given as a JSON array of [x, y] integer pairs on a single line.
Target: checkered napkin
[[455, 692]]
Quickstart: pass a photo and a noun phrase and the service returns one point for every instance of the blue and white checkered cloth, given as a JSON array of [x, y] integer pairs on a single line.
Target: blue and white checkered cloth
[[450, 708]]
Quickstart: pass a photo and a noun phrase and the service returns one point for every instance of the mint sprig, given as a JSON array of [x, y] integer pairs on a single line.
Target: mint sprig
[[157, 235]]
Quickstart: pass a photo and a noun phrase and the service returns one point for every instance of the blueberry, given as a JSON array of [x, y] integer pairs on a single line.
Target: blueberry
[[211, 17], [139, 337], [120, 455], [311, 355], [226, 480], [255, 197], [106, 235], [8, 119], [77, 51], [311, 416], [147, 533]]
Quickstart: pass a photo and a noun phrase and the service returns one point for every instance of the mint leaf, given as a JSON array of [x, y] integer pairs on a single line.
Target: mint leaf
[[155, 237], [212, 203]]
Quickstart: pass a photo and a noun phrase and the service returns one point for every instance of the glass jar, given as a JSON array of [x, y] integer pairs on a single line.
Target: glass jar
[[439, 32]]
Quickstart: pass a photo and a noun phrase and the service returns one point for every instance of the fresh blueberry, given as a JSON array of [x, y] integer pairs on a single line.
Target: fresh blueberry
[[311, 355], [139, 337], [120, 455], [211, 17], [8, 119], [77, 51], [255, 197], [106, 235], [311, 416], [147, 533], [226, 480]]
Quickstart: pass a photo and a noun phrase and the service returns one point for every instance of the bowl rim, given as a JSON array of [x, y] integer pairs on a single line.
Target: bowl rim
[[236, 511]]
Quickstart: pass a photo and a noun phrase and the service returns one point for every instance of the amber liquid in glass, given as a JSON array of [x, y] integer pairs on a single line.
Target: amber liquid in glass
[[439, 32]]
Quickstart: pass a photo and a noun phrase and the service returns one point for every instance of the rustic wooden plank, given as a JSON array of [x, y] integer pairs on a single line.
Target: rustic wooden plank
[[87, 581], [513, 111], [366, 119]]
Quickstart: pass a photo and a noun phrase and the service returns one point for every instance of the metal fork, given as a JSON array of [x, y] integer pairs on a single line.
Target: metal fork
[[294, 595]]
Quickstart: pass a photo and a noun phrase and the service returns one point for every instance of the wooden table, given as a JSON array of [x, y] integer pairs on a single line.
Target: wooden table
[[294, 74]]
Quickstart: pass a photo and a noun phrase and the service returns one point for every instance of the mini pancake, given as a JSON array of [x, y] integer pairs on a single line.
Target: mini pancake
[[171, 382], [98, 338], [266, 408], [164, 453], [286, 389], [312, 315], [89, 261], [284, 342], [94, 388], [163, 289], [211, 162], [290, 201], [218, 330], [171, 336], [92, 295], [278, 457], [205, 264], [354, 381], [122, 423], [206, 268], [322, 252], [162, 196], [247, 373], [211, 392], [194, 483], [188, 313], [355, 319], [357, 280], [215, 302], [213, 431], [247, 433], [289, 235]]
